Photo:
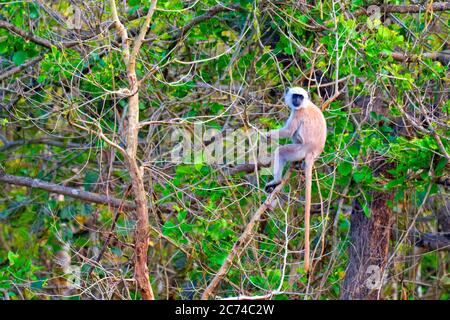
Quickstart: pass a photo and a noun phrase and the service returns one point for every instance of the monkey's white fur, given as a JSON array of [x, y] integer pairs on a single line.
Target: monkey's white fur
[[295, 90], [307, 128]]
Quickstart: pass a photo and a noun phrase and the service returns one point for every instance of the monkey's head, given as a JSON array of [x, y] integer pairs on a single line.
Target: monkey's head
[[296, 97]]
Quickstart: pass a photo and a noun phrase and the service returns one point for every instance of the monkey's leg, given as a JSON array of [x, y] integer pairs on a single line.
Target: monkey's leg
[[289, 152]]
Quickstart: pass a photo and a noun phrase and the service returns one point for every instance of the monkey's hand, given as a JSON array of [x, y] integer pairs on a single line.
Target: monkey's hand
[[271, 185]]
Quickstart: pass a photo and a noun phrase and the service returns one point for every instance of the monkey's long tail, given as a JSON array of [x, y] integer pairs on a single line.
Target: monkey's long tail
[[309, 162]]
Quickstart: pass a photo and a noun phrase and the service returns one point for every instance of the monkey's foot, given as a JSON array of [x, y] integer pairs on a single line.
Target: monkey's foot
[[298, 165], [271, 185]]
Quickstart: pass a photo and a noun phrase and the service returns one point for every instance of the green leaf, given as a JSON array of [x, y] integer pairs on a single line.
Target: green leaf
[[134, 2], [90, 178], [366, 210], [12, 257], [363, 174], [41, 78], [218, 258], [359, 176], [440, 165], [3, 122], [34, 12], [345, 168], [289, 50], [184, 170], [181, 215], [19, 57]]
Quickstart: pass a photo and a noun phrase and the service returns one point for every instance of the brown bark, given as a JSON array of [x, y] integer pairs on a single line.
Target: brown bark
[[443, 57], [368, 249], [132, 131], [137, 182], [71, 192]]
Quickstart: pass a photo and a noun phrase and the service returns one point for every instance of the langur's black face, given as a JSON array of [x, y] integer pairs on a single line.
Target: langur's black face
[[297, 100]]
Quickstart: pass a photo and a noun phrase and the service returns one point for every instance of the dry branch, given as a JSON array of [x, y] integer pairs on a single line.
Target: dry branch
[[243, 239], [25, 34], [71, 192], [443, 57], [12, 71], [17, 143], [131, 162], [413, 8], [34, 38], [213, 11], [246, 167], [330, 100], [434, 241]]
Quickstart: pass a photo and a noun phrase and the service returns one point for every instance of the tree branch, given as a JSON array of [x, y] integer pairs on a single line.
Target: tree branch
[[121, 30], [16, 143], [243, 239], [443, 57], [434, 241], [413, 8], [34, 38], [26, 35], [52, 13], [141, 273], [245, 167], [12, 71], [71, 192], [143, 32], [213, 11]]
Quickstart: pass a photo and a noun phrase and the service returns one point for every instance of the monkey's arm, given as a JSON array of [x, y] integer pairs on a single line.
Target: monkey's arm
[[280, 133], [285, 132]]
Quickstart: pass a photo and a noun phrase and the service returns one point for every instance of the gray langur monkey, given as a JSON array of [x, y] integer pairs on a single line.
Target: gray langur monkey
[[308, 129]]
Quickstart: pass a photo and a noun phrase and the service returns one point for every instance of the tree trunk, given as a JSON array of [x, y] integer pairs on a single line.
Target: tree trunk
[[368, 249], [137, 182], [131, 161], [142, 230]]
